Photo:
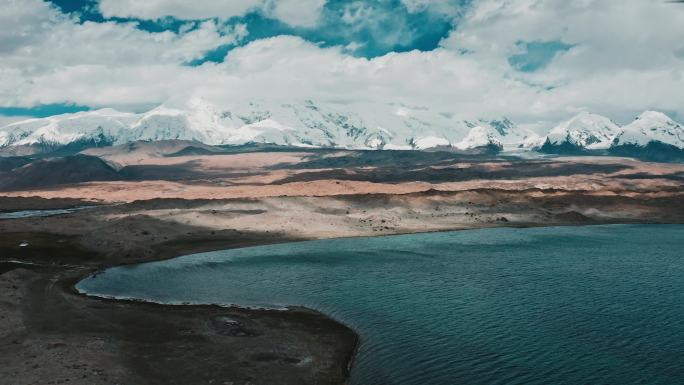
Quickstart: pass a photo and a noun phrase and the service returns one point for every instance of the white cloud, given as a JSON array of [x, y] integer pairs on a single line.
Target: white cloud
[[5, 120], [51, 54], [287, 68], [181, 9], [626, 58], [298, 13]]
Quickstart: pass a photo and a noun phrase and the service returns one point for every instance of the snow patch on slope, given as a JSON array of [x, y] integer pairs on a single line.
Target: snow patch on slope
[[480, 137]]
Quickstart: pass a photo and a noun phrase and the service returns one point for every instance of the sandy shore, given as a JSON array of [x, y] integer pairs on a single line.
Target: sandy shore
[[52, 335]]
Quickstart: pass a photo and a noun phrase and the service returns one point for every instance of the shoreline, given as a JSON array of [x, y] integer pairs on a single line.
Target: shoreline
[[58, 283], [75, 273], [293, 309], [289, 310]]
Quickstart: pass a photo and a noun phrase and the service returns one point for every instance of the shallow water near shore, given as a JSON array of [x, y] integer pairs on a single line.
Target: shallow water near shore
[[41, 213], [593, 304]]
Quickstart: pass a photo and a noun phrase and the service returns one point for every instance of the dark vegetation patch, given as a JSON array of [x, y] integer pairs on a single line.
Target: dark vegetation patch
[[12, 162], [187, 170], [179, 203], [653, 151], [677, 176], [56, 171], [572, 217], [9, 266], [43, 248], [265, 147], [8, 204], [217, 240], [517, 170], [165, 203], [372, 158], [567, 148], [191, 170], [671, 208], [194, 150], [41, 173]]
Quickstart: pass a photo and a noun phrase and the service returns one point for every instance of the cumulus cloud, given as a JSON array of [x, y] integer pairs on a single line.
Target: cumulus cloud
[[181, 9], [299, 13], [5, 120], [46, 53], [611, 67], [623, 57]]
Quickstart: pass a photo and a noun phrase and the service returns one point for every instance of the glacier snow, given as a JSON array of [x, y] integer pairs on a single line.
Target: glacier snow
[[351, 126]]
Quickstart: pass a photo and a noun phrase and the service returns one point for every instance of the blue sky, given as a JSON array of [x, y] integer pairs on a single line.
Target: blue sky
[[536, 54], [531, 59]]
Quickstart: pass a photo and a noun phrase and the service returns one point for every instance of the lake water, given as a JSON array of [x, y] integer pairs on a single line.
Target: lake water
[[40, 213], [562, 305]]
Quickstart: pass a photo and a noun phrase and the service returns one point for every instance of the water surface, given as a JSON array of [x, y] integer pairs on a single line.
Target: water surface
[[40, 213], [596, 304]]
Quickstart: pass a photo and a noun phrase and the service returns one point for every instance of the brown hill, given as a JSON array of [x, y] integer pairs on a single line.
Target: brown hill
[[56, 171]]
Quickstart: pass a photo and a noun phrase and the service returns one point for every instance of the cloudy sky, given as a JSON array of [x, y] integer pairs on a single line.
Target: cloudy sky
[[531, 60]]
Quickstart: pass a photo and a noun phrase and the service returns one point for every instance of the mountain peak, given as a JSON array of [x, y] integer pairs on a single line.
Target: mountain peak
[[654, 116], [651, 126], [652, 120], [584, 130]]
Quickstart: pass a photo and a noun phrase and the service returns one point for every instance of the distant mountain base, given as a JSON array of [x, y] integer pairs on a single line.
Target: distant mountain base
[[564, 148], [54, 171], [653, 151]]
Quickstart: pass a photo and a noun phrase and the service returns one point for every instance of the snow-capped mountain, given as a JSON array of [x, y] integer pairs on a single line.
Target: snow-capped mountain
[[585, 130], [481, 136], [652, 135], [651, 126], [352, 126], [378, 126]]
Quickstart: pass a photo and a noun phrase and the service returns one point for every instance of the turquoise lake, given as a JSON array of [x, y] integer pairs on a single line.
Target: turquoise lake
[[557, 305]]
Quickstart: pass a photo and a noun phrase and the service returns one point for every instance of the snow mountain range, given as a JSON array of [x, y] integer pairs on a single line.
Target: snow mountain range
[[652, 135], [310, 124], [306, 124]]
